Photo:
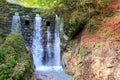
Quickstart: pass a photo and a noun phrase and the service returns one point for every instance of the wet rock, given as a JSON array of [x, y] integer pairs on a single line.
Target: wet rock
[[73, 64], [65, 59]]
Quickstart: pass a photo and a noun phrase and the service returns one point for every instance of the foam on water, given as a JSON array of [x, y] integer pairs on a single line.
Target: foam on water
[[49, 68]]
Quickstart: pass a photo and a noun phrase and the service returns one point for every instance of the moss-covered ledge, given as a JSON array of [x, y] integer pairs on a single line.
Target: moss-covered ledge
[[15, 60]]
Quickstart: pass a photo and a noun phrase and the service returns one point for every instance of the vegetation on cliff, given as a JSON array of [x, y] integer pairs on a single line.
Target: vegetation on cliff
[[78, 13], [15, 60], [97, 45], [93, 55]]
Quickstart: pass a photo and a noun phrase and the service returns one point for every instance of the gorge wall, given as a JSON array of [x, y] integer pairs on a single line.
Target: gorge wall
[[96, 56]]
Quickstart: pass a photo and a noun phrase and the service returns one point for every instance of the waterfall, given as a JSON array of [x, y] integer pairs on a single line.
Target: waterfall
[[16, 24], [46, 51], [45, 58], [37, 48], [49, 54], [57, 42]]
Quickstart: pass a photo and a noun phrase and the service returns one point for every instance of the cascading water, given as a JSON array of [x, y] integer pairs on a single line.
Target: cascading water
[[37, 48], [47, 60], [16, 24], [49, 55], [57, 42]]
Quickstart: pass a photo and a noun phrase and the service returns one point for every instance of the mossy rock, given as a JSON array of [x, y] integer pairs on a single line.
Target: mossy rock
[[1, 40], [15, 60], [75, 24], [2, 37], [15, 41], [82, 51]]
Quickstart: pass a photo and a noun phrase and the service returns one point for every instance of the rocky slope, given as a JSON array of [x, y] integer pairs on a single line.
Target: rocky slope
[[96, 56]]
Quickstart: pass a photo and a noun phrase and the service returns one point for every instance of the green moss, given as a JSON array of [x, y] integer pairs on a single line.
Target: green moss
[[75, 24], [79, 13], [105, 33], [92, 28], [2, 1], [102, 3], [97, 45], [15, 60], [82, 51], [8, 63], [1, 40], [73, 19], [3, 51], [116, 37], [2, 37], [105, 20], [15, 41]]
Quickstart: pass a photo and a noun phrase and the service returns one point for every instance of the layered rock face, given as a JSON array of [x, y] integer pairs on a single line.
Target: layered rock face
[[100, 64], [96, 56]]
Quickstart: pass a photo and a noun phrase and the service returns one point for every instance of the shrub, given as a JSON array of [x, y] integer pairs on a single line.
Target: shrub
[[82, 51], [15, 61], [2, 54], [92, 28], [75, 24], [101, 3]]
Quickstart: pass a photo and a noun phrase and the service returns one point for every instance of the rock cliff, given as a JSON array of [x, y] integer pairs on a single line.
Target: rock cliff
[[96, 56]]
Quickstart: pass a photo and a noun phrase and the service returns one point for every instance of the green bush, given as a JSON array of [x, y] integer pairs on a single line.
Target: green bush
[[82, 51], [73, 19], [75, 24], [102, 3], [15, 61], [2, 54], [77, 13], [2, 1], [69, 3], [92, 28], [8, 62], [15, 41], [2, 37]]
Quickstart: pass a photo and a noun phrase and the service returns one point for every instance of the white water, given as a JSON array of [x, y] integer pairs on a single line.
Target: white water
[[16, 24], [51, 59], [56, 43], [49, 56], [47, 63], [37, 48]]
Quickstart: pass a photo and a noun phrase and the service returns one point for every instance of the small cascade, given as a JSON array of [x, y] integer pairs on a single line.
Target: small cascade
[[49, 55], [16, 24], [45, 58], [46, 51], [45, 48], [57, 42], [37, 48]]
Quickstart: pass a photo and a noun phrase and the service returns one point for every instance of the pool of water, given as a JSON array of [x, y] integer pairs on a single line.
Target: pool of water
[[48, 73]]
